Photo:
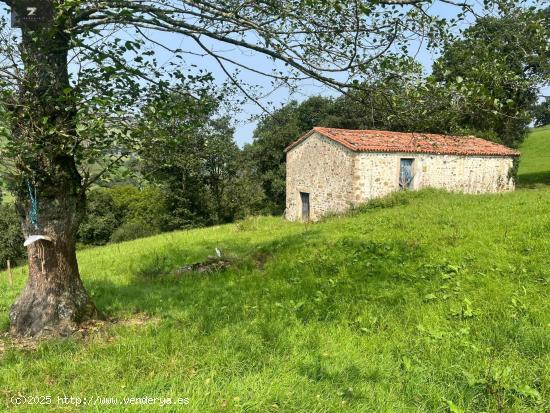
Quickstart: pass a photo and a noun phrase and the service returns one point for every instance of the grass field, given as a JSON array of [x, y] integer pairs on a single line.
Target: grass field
[[535, 163], [422, 302]]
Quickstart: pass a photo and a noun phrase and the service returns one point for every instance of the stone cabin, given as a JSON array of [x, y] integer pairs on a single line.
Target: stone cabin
[[328, 170]]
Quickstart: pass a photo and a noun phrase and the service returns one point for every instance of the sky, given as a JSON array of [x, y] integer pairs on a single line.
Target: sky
[[245, 118], [245, 115]]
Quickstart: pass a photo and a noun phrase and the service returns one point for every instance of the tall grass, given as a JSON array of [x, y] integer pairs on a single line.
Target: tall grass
[[427, 302]]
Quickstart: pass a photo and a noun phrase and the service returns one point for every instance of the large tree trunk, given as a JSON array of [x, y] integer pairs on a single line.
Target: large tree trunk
[[54, 300]]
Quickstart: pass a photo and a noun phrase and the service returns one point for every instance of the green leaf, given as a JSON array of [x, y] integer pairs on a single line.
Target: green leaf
[[528, 391], [453, 408]]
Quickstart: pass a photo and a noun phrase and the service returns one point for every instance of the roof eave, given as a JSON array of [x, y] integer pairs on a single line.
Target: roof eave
[[505, 155]]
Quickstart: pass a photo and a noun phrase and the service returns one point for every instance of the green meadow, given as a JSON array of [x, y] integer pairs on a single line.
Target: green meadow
[[420, 302], [535, 165]]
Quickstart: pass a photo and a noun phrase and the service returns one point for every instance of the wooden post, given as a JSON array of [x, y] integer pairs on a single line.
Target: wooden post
[[10, 276]]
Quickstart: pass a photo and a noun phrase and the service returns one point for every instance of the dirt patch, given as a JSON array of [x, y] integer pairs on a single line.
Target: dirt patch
[[260, 258], [88, 329], [138, 319], [94, 327], [215, 264], [21, 343], [209, 266]]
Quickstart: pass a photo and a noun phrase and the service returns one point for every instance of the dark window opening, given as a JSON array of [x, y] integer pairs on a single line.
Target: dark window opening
[[304, 196]]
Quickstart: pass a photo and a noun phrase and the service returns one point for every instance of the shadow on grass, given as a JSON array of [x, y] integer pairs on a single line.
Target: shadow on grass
[[307, 278], [532, 180], [155, 285]]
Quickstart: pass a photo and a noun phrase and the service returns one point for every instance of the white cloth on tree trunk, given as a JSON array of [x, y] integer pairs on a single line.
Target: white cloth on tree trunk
[[33, 238]]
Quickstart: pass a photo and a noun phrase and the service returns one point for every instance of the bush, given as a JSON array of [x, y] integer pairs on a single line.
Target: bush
[[394, 199], [102, 219], [122, 213], [141, 205], [11, 237], [132, 230], [389, 201], [152, 267]]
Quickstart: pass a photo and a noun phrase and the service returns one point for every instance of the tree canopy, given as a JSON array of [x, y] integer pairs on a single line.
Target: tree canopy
[[542, 113], [500, 65]]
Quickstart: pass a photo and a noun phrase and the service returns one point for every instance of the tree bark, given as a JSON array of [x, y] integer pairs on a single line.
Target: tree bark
[[54, 300]]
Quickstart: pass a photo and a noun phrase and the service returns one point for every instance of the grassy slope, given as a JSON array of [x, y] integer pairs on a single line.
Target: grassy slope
[[435, 298], [535, 162]]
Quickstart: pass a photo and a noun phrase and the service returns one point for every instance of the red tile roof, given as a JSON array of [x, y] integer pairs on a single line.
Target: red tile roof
[[385, 141]]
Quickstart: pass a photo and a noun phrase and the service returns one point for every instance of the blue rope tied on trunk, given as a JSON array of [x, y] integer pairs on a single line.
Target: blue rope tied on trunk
[[33, 212]]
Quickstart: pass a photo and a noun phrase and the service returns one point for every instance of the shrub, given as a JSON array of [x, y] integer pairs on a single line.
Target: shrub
[[389, 201], [152, 267], [394, 199], [141, 205], [102, 219], [122, 213], [132, 230], [11, 237]]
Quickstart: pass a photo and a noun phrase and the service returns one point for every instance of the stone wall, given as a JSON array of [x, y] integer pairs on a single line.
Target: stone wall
[[336, 177], [322, 168], [377, 174]]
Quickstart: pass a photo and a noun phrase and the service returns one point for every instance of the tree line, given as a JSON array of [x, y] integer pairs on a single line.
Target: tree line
[[188, 171]]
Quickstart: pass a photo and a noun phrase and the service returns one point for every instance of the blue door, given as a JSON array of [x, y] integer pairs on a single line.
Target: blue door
[[406, 174]]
